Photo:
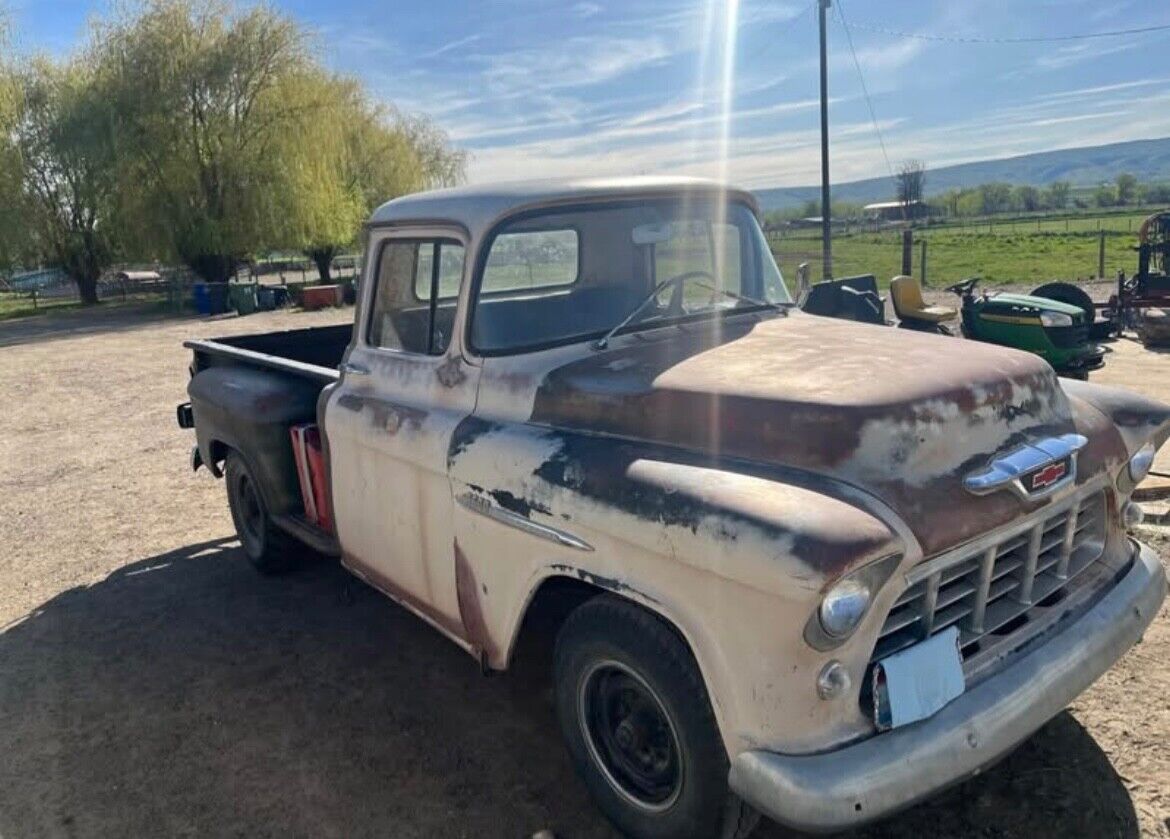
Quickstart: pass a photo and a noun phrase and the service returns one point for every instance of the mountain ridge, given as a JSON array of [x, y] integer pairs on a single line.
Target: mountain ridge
[[1148, 160]]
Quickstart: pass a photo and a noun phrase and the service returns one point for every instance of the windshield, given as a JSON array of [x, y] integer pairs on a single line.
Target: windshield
[[573, 274]]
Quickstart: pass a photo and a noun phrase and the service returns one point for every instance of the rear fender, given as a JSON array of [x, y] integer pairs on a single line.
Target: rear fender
[[250, 411]]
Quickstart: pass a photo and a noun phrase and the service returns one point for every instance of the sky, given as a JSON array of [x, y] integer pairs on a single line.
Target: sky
[[536, 88]]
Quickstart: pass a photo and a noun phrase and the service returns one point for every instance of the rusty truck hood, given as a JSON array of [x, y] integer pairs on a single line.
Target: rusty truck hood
[[900, 414]]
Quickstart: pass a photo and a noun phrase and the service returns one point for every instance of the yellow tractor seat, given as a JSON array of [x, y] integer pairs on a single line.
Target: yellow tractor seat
[[906, 294]]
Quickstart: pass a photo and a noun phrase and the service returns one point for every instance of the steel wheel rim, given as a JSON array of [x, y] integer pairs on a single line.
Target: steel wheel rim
[[630, 736], [251, 513]]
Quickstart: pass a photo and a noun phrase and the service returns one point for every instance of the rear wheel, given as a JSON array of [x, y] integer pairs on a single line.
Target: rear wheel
[[634, 713], [1070, 294], [270, 550]]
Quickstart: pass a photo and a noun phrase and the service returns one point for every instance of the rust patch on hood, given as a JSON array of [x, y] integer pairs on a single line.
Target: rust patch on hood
[[901, 414]]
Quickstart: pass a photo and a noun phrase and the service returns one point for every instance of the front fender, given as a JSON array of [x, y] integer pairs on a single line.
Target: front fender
[[767, 528], [1137, 419], [734, 557]]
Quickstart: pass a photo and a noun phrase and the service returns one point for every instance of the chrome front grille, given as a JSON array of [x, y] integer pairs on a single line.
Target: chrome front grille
[[991, 591]]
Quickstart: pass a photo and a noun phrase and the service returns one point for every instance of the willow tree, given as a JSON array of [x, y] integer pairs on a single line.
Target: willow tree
[[10, 180], [351, 157], [57, 177], [200, 89]]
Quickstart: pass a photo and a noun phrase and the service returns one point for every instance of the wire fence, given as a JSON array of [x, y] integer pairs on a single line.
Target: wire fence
[[42, 289], [1018, 251]]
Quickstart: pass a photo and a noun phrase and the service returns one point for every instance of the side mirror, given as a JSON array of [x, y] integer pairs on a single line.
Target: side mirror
[[802, 283]]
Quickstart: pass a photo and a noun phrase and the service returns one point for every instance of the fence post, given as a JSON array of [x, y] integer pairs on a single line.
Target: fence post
[[922, 261], [907, 252], [34, 297], [1101, 255]]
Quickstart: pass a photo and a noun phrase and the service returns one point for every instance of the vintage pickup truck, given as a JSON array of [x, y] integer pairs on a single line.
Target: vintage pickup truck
[[798, 566]]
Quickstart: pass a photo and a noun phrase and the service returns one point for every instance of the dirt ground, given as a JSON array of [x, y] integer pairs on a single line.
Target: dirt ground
[[151, 684]]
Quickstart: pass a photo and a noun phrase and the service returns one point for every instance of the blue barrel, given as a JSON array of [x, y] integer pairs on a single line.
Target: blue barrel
[[202, 299]]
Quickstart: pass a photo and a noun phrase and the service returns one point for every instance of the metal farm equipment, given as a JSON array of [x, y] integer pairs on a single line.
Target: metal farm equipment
[[1142, 300]]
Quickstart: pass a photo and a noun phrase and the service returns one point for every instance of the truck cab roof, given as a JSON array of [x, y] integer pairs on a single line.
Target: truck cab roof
[[478, 208]]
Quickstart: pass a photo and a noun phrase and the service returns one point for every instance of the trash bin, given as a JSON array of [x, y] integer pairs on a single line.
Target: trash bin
[[242, 297], [201, 298], [265, 299], [320, 296], [280, 296], [217, 294]]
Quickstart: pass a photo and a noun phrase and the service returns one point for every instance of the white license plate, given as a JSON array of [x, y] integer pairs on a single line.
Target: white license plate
[[919, 681]]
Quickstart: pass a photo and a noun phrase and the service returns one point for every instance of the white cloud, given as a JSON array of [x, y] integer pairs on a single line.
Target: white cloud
[[586, 10], [573, 63], [1108, 88], [451, 46], [1067, 56]]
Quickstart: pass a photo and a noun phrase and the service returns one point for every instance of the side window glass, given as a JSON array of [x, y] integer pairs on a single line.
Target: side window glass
[[403, 315], [531, 259]]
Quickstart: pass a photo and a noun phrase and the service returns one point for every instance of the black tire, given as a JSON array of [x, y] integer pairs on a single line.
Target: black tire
[[1070, 294], [269, 549], [926, 326], [662, 770]]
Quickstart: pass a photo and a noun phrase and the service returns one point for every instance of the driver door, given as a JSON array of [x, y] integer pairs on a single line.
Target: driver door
[[403, 390]]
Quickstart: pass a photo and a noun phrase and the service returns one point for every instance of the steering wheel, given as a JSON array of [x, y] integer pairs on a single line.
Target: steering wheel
[[963, 287], [675, 307]]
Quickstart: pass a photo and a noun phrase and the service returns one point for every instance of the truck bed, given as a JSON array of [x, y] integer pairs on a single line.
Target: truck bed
[[313, 353]]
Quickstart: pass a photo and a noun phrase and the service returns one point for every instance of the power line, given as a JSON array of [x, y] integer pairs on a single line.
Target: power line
[[960, 39], [783, 26], [864, 89]]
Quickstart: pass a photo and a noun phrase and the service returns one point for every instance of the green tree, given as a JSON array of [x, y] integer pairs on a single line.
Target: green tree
[[1127, 186], [58, 180], [1056, 196], [996, 197], [1026, 198], [11, 218], [911, 184], [1105, 196], [350, 158], [950, 201], [203, 97]]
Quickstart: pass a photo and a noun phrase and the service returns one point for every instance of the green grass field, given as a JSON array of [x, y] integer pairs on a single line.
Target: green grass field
[[1027, 251]]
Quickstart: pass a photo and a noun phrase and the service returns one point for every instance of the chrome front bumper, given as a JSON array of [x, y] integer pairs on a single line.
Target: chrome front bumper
[[891, 771]]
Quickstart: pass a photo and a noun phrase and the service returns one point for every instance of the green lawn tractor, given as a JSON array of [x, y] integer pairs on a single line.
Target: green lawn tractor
[[1057, 332]]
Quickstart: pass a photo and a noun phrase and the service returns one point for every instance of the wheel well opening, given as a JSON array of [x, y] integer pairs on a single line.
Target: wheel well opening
[[547, 611], [218, 451], [550, 605]]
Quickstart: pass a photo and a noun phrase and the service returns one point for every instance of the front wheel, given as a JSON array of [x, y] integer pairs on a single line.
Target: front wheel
[[634, 713]]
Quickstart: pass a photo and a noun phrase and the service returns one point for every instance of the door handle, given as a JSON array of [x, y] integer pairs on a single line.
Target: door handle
[[351, 369]]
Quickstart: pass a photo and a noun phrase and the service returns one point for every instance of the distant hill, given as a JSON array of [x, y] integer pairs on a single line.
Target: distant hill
[[1149, 160]]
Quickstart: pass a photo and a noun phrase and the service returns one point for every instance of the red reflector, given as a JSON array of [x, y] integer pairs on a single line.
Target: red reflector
[[306, 444]]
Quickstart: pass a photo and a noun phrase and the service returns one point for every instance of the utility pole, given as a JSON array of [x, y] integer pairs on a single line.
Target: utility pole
[[826, 200]]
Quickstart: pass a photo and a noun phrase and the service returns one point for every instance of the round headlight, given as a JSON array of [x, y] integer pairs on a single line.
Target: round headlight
[[844, 607], [1140, 463], [1055, 319]]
